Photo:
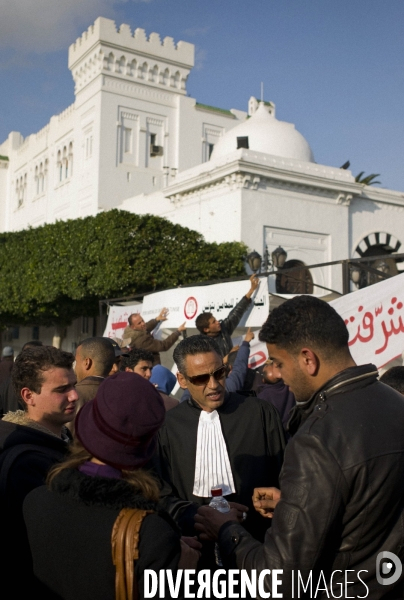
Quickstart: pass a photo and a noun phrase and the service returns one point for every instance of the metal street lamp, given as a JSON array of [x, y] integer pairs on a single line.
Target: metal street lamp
[[254, 261], [279, 256]]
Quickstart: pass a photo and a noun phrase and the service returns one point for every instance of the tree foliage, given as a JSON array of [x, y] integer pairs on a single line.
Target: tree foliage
[[54, 273]]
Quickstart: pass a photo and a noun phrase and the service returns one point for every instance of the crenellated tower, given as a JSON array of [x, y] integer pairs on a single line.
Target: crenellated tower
[[104, 49]]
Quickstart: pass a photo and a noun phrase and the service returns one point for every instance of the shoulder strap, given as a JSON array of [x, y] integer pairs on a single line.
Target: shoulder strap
[[125, 550]]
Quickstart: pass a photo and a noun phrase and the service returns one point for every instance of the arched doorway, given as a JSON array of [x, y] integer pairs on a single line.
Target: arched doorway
[[299, 281], [377, 244]]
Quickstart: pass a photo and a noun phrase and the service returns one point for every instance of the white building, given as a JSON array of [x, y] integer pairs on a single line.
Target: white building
[[134, 140]]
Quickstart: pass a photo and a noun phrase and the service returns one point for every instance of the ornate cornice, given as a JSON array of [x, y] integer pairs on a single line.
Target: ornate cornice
[[238, 174], [135, 90]]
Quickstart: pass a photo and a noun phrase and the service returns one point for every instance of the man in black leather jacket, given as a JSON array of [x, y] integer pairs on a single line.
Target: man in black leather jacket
[[342, 483], [221, 331]]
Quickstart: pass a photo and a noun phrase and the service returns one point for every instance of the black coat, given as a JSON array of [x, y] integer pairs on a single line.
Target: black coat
[[342, 487], [26, 457], [69, 529], [255, 443]]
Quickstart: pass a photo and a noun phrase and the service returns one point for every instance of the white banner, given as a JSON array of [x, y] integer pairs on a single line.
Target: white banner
[[185, 304], [258, 350], [374, 317], [118, 319]]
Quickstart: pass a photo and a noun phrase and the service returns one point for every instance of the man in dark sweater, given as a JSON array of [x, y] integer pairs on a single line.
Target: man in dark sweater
[[31, 441], [222, 331]]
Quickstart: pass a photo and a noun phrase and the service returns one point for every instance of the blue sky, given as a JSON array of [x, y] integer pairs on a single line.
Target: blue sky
[[334, 68]]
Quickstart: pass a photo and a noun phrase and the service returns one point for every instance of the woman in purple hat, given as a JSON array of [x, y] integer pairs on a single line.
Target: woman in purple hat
[[70, 521]]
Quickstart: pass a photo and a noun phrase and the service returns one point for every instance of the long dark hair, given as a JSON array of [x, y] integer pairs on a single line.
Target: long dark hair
[[140, 480]]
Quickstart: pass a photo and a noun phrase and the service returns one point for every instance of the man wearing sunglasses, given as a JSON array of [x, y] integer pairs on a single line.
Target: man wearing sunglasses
[[215, 438]]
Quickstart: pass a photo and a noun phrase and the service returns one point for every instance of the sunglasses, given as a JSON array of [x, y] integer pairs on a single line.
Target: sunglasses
[[205, 378]]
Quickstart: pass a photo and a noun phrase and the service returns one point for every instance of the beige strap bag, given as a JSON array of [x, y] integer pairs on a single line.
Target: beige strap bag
[[125, 550]]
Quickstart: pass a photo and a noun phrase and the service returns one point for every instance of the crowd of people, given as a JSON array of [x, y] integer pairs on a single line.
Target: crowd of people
[[104, 474]]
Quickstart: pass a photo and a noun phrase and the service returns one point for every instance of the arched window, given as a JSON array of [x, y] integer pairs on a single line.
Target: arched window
[[60, 166], [154, 73], [299, 281], [65, 161], [20, 189], [165, 77], [41, 179], [37, 180], [143, 70], [111, 59], [45, 175], [70, 158], [379, 243]]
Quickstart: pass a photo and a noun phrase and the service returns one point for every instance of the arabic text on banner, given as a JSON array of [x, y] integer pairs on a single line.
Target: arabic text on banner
[[185, 304], [118, 319], [375, 320]]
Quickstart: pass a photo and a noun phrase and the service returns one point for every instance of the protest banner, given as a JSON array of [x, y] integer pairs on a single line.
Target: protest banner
[[118, 319], [185, 304], [374, 318]]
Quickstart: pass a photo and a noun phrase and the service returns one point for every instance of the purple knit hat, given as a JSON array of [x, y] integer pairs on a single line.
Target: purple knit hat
[[119, 425]]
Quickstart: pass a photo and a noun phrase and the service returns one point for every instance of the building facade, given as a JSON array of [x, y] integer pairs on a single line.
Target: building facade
[[134, 140]]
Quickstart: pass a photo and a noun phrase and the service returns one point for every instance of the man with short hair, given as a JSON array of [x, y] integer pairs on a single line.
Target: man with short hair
[[31, 441], [138, 335], [9, 400], [222, 331], [138, 361], [94, 359], [342, 487], [216, 438]]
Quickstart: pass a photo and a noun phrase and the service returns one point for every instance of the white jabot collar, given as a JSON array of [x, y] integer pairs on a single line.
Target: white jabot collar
[[212, 464]]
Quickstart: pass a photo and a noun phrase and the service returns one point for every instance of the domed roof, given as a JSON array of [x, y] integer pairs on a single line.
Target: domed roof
[[268, 135]]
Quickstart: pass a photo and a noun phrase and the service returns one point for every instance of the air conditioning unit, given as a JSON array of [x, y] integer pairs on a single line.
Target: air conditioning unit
[[156, 150]]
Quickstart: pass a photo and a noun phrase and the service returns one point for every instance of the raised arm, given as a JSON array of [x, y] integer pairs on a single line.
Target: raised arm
[[230, 323]]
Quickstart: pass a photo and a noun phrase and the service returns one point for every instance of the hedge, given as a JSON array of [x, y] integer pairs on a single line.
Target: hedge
[[55, 273]]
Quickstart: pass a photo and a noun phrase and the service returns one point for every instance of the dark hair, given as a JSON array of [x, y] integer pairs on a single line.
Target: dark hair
[[394, 377], [202, 321], [196, 344], [306, 321], [32, 344], [130, 317], [141, 480], [102, 353], [30, 365], [135, 356]]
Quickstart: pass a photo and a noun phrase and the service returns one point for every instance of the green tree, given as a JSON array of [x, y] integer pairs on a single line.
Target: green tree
[[55, 273]]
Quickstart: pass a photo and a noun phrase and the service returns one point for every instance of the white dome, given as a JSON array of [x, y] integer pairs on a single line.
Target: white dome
[[268, 135]]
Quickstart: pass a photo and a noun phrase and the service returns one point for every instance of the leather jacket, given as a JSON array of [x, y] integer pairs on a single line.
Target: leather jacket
[[342, 502], [229, 324]]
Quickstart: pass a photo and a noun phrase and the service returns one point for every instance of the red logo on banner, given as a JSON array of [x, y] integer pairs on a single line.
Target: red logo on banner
[[190, 308], [256, 359]]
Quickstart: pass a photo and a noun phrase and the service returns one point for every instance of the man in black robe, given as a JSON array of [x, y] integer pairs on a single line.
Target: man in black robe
[[247, 430]]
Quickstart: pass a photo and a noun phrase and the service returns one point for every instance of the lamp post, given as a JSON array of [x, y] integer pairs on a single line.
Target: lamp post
[[256, 264], [279, 256], [254, 261]]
